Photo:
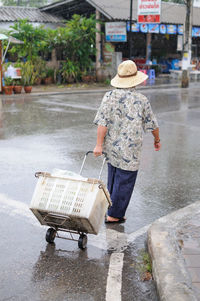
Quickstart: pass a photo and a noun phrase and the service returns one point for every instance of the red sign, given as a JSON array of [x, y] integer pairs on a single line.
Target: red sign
[[148, 18]]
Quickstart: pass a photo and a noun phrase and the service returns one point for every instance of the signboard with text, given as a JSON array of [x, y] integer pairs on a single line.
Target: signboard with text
[[116, 32], [149, 11]]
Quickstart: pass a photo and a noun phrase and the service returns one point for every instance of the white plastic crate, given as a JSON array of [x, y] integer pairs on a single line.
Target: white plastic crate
[[69, 203]]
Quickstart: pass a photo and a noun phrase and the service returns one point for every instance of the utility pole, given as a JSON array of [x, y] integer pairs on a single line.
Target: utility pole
[[98, 45], [187, 44], [130, 32]]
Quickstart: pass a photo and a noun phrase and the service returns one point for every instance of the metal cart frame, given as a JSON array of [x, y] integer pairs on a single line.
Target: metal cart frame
[[48, 217]]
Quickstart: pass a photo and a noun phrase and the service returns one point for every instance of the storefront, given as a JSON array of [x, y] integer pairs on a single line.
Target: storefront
[[158, 44], [154, 43]]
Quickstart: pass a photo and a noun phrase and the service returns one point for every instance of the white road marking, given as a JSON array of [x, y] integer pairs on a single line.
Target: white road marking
[[132, 236], [119, 241], [16, 208], [107, 239], [114, 280]]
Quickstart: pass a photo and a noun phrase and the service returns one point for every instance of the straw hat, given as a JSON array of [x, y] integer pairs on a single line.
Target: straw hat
[[128, 76]]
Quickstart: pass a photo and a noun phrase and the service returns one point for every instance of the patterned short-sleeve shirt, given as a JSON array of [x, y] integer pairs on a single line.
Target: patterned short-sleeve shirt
[[126, 113]]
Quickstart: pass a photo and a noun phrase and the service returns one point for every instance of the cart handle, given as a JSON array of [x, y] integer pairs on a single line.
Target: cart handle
[[91, 152]]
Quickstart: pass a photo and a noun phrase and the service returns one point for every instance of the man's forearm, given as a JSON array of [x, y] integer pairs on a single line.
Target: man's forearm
[[156, 135], [101, 133]]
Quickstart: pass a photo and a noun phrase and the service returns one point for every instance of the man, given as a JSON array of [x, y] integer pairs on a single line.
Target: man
[[122, 117]]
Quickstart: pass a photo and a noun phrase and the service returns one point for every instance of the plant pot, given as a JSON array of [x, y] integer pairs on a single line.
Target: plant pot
[[93, 78], [38, 81], [70, 80], [8, 90], [28, 89], [17, 89], [48, 80], [86, 78]]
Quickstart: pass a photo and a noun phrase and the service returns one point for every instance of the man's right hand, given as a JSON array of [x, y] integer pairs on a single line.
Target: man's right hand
[[157, 146], [97, 151]]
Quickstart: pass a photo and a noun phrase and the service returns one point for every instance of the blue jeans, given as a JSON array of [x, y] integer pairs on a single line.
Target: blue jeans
[[120, 186]]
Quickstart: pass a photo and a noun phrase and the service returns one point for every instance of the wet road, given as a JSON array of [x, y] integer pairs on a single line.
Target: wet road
[[41, 133]]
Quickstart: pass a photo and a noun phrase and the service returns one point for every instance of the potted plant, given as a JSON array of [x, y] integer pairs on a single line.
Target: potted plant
[[49, 76], [88, 76], [40, 70], [70, 71], [85, 77], [18, 67], [8, 88], [28, 76], [17, 86]]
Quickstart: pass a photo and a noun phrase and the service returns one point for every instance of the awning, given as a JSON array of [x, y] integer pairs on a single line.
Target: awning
[[3, 37], [14, 40], [10, 40]]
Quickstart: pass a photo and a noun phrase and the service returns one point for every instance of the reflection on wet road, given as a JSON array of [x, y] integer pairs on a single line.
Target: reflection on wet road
[[41, 133]]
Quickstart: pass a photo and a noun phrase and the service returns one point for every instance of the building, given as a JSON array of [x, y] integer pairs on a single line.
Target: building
[[158, 42], [161, 41], [10, 14]]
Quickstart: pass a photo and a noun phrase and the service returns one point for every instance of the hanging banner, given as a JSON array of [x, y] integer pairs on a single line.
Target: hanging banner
[[149, 11], [171, 29], [180, 29], [154, 28], [134, 28], [116, 32], [196, 31], [144, 28], [163, 28]]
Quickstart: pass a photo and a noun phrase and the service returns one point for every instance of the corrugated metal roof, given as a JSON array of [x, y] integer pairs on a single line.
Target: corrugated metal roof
[[14, 13], [171, 13]]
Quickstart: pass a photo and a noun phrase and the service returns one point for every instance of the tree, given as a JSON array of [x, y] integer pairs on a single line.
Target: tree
[[33, 38], [76, 41], [30, 3], [80, 33]]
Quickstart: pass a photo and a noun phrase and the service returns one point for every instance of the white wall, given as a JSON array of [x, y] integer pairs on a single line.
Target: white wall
[[6, 25]]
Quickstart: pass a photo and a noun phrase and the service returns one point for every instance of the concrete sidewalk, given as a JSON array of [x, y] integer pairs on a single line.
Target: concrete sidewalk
[[164, 82], [159, 83], [174, 246]]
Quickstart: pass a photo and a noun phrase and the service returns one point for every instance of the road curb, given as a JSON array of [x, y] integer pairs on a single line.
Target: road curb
[[92, 91], [169, 269]]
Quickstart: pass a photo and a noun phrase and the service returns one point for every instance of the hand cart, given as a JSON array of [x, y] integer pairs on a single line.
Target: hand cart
[[75, 206]]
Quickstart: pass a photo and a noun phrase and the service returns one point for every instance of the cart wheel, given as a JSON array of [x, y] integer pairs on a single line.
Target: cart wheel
[[82, 241], [50, 235]]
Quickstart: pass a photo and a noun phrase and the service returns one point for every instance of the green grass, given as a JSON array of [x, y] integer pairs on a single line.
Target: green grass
[[143, 265]]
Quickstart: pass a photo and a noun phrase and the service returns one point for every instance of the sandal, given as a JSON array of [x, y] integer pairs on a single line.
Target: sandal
[[120, 220]]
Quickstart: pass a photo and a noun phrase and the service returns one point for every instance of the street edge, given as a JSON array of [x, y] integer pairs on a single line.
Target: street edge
[[169, 269], [104, 90]]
